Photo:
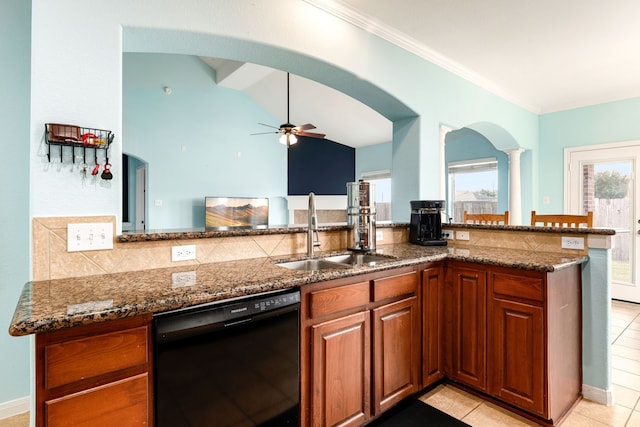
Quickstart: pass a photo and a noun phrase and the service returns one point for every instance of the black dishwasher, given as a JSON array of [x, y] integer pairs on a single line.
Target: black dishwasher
[[234, 363]]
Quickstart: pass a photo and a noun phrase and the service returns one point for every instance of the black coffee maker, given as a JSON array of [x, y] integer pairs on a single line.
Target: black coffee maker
[[426, 223]]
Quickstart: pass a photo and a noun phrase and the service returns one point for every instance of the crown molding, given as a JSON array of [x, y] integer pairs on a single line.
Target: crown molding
[[347, 13]]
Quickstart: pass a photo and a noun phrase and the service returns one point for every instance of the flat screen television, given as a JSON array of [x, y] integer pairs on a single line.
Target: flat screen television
[[224, 213]]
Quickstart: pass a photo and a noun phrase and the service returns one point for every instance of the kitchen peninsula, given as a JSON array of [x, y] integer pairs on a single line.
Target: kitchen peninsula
[[427, 281]]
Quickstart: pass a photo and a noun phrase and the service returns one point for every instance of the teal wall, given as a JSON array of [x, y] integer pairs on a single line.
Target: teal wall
[[213, 124], [134, 164], [598, 124], [596, 319], [15, 51], [373, 158], [406, 168], [416, 95], [467, 144]]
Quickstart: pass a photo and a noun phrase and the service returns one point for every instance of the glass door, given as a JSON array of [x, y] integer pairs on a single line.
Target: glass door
[[603, 179]]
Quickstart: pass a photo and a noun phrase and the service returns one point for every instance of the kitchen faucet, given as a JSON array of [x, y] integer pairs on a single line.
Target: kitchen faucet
[[312, 229]]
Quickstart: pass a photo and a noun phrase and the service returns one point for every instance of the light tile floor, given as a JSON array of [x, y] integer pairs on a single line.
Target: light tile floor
[[625, 337]]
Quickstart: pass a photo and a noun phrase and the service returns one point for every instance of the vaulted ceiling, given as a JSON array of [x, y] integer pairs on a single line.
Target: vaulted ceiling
[[544, 55]]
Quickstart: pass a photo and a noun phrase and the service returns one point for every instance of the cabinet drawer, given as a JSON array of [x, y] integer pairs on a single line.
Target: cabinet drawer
[[394, 286], [531, 288], [123, 403], [333, 300], [89, 357]]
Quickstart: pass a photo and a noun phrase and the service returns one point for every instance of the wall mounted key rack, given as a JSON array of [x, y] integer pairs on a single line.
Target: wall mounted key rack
[[77, 138]]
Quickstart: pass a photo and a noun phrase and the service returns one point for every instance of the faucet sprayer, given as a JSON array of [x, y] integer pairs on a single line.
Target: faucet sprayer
[[312, 230]]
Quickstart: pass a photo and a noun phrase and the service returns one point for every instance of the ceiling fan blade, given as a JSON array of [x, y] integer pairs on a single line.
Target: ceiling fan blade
[[311, 134], [264, 133], [305, 127], [268, 125]]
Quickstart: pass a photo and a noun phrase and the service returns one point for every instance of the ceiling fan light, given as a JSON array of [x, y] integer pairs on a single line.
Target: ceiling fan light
[[288, 139]]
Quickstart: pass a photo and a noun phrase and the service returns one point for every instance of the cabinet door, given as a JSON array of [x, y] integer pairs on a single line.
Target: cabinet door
[[432, 325], [517, 354], [396, 352], [469, 327], [340, 371], [122, 403], [95, 375]]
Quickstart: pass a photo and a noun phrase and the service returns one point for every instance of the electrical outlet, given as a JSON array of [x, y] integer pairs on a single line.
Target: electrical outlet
[[447, 234], [462, 235], [573, 243], [379, 236], [183, 253], [89, 236]]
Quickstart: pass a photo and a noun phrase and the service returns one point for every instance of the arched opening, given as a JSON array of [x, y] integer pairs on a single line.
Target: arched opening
[[188, 44], [483, 170]]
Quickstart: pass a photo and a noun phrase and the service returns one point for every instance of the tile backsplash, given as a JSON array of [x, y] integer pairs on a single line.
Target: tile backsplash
[[52, 261]]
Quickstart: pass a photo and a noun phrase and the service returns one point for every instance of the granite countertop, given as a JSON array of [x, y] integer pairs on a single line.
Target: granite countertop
[[200, 233], [54, 304]]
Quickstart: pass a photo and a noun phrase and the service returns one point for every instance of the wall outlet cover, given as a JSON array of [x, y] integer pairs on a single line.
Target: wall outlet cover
[[183, 253], [447, 234], [462, 235], [573, 243]]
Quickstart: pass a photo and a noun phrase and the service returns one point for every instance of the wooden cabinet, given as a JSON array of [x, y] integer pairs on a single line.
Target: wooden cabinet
[[95, 375], [360, 347], [534, 336], [340, 378], [433, 324], [516, 335], [367, 342], [396, 352], [517, 346], [469, 324]]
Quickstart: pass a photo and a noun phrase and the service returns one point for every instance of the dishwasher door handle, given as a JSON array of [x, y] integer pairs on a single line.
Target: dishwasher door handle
[[237, 322]]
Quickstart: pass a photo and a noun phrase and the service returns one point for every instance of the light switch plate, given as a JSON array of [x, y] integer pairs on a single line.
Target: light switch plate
[[89, 236]]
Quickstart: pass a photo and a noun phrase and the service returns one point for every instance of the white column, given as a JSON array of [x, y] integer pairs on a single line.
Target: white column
[[515, 188]]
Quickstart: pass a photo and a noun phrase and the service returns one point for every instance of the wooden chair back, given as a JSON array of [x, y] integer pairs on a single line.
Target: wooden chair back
[[486, 218], [562, 220]]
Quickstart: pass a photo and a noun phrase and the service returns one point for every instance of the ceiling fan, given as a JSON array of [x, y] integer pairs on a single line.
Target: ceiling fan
[[289, 132]]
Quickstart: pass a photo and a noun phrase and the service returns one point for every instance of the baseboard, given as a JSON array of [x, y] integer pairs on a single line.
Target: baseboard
[[14, 407], [598, 395]]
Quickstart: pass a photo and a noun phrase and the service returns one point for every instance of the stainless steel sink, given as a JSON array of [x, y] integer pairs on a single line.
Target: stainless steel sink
[[311, 265], [355, 258], [336, 261]]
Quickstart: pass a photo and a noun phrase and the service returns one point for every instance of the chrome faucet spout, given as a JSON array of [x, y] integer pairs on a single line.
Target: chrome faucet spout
[[312, 230]]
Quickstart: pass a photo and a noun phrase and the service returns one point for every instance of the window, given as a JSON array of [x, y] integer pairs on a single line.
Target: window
[[382, 181], [473, 186]]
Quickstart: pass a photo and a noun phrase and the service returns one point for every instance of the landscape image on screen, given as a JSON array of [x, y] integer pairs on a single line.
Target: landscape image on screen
[[236, 212]]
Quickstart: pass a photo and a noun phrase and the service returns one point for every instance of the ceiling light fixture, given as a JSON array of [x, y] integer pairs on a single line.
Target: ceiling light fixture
[[288, 132], [288, 139]]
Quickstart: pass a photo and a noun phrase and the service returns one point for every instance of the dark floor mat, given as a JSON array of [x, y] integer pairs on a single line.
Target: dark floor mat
[[415, 413]]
